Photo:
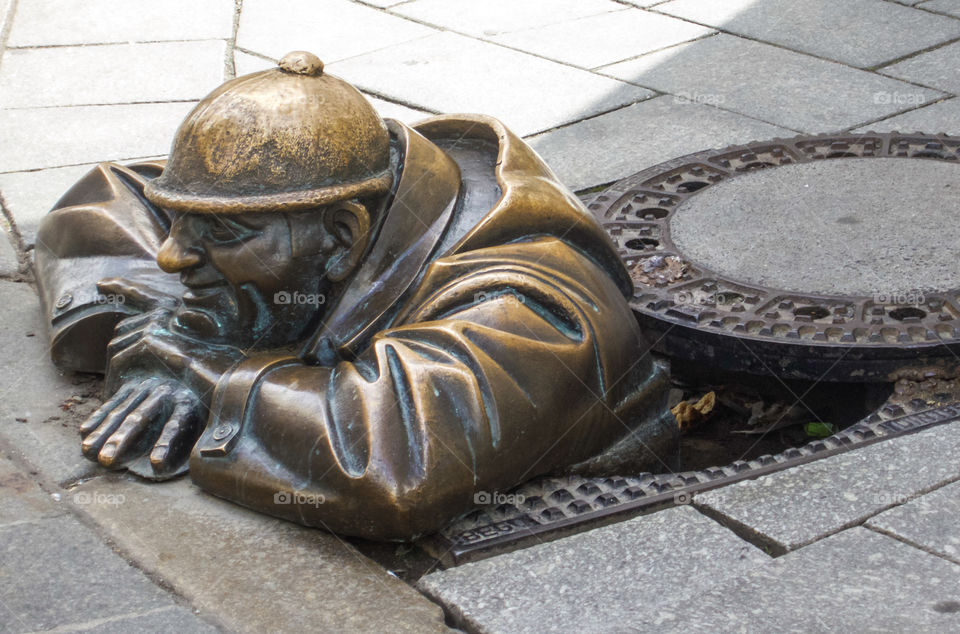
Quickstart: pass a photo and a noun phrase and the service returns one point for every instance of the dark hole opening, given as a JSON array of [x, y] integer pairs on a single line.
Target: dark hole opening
[[691, 186], [641, 244], [908, 313], [812, 312]]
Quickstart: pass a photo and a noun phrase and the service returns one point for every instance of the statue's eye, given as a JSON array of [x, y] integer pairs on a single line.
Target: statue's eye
[[225, 230]]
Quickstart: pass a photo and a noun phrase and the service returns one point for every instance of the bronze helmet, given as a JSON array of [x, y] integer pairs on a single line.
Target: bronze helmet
[[285, 139]]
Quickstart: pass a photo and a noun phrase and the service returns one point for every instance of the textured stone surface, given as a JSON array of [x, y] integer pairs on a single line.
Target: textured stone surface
[[936, 68], [176, 619], [333, 29], [929, 521], [116, 73], [598, 580], [257, 573], [619, 143], [788, 89], [21, 499], [938, 117], [527, 93], [795, 507], [30, 195], [857, 581], [35, 399], [496, 17], [9, 263], [951, 7], [55, 137], [605, 38], [855, 226], [861, 33], [81, 581], [49, 22]]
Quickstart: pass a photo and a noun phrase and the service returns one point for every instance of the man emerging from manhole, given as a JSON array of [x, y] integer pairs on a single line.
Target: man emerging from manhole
[[346, 322]]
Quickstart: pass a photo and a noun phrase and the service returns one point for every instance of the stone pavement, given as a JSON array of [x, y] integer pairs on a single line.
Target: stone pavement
[[602, 89]]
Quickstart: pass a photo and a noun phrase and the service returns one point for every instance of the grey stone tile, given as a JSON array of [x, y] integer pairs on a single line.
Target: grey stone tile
[[4, 10], [857, 581], [929, 521], [596, 581], [495, 17], [605, 38], [625, 141], [861, 33], [255, 572], [9, 262], [115, 73], [772, 84], [383, 4], [453, 73], [246, 63], [174, 620], [36, 401], [30, 195], [59, 22], [951, 7], [333, 30], [56, 572], [55, 137], [795, 507], [936, 68], [933, 119], [21, 499]]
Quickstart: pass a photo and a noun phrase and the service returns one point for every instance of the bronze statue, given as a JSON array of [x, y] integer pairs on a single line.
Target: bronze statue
[[355, 324]]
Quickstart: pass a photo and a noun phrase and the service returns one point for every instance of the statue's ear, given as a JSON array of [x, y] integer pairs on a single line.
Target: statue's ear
[[348, 223]]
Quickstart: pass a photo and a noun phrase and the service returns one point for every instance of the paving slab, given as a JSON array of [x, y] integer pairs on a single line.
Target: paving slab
[[928, 521], [597, 581], [950, 7], [177, 620], [36, 138], [246, 63], [936, 68], [30, 195], [789, 89], [115, 73], [906, 206], [942, 116], [603, 39], [9, 262], [861, 33], [21, 499], [453, 73], [333, 29], [39, 406], [55, 571], [257, 573], [620, 143], [495, 17], [62, 22], [798, 506], [857, 581]]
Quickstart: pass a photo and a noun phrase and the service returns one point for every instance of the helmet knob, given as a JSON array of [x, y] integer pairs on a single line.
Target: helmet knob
[[302, 63]]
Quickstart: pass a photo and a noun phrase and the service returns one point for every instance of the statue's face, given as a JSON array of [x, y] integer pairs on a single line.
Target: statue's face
[[244, 284]]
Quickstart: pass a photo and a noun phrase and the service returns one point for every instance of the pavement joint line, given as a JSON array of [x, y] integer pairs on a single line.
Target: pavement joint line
[[104, 44], [16, 238], [909, 542], [742, 36], [897, 114], [230, 65], [152, 157], [73, 627], [91, 105], [903, 58], [7, 21], [597, 69]]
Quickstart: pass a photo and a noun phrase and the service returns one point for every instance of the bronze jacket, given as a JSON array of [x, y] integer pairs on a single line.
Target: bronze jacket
[[485, 340]]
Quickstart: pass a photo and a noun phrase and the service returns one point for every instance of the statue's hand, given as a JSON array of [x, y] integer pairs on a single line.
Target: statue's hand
[[157, 415]]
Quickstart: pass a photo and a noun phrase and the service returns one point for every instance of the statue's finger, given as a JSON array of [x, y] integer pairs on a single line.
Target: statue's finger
[[175, 441], [93, 421], [135, 294], [92, 444], [133, 427]]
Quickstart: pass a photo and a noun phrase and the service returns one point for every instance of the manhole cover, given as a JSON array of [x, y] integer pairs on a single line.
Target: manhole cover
[[769, 258]]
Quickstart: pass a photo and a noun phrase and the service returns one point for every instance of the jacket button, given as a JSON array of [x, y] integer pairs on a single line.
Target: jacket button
[[64, 300], [222, 431]]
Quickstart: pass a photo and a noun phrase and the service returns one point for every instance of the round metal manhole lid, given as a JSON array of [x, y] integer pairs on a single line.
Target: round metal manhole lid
[[768, 258]]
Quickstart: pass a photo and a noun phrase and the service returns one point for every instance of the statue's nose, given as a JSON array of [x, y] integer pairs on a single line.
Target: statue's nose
[[173, 257]]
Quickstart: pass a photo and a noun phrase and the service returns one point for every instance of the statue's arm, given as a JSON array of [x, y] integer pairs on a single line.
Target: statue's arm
[[501, 388]]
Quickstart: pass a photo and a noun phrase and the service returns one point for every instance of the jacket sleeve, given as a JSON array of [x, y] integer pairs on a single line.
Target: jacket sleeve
[[507, 370]]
